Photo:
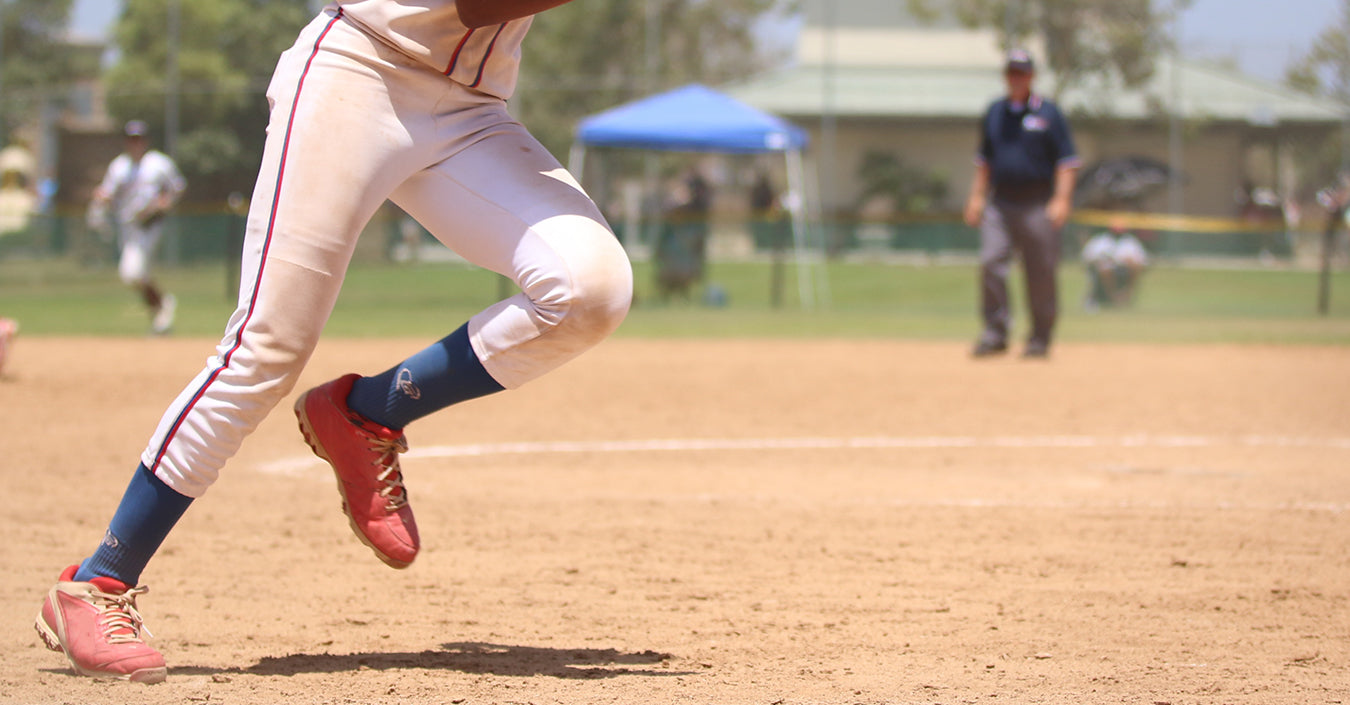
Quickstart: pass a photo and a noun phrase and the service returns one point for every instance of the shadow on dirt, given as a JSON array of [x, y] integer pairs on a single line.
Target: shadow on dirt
[[468, 657]]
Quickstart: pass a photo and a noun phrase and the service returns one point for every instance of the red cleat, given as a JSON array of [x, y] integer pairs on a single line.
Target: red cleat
[[97, 627], [364, 456]]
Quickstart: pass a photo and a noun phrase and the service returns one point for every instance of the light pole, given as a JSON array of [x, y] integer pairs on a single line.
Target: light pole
[[651, 54], [171, 82], [1175, 152], [4, 122]]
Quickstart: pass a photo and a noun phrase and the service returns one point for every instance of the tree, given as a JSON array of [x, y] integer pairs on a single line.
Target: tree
[[890, 183], [588, 56], [579, 58], [34, 58], [1325, 71], [226, 52], [1083, 38]]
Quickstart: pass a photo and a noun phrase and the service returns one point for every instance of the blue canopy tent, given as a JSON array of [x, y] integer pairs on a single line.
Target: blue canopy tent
[[698, 119]]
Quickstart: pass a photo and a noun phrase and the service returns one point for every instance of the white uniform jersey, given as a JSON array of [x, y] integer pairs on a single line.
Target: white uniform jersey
[[486, 59], [1130, 251], [1099, 248], [132, 185], [1104, 248]]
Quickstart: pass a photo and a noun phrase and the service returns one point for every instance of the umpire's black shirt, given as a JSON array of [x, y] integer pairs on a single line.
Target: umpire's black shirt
[[1023, 145]]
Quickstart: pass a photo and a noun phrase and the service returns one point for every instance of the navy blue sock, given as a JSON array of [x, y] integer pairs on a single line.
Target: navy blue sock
[[149, 509], [445, 373]]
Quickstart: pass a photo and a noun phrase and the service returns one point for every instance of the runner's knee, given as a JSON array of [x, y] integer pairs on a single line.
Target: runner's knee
[[588, 296]]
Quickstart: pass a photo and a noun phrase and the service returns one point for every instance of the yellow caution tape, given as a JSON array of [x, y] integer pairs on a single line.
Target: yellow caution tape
[[1172, 222]]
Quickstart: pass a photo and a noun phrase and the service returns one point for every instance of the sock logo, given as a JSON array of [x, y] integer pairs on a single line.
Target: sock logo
[[111, 541], [406, 385]]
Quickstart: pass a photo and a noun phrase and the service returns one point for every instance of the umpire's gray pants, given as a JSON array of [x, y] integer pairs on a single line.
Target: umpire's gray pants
[[1023, 227]]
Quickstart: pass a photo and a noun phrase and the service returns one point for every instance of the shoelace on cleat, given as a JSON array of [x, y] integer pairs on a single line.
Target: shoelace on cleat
[[118, 617], [390, 473]]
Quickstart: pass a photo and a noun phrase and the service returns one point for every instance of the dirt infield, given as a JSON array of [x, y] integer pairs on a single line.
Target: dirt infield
[[731, 522]]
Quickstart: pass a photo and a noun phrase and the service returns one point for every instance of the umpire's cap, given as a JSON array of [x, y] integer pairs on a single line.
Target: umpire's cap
[[1019, 60], [136, 128]]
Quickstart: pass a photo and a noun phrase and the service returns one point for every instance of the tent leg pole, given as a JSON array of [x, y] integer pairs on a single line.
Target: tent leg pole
[[576, 161], [795, 204]]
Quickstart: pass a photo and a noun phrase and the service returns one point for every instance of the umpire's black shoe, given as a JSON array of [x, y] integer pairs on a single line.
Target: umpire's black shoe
[[986, 348], [1036, 350]]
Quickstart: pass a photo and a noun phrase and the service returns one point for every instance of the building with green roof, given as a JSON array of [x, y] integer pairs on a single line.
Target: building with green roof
[[872, 79]]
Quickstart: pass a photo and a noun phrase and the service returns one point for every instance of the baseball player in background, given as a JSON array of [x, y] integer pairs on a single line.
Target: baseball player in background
[[397, 99], [139, 188], [1020, 198], [1115, 260]]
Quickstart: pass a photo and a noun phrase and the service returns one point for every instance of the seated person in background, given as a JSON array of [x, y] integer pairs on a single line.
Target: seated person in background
[[1115, 260]]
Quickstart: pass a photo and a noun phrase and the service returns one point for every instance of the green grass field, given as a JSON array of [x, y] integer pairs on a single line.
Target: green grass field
[[1175, 305]]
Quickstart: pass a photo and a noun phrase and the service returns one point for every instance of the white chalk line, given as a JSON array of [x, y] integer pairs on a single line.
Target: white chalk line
[[302, 464]]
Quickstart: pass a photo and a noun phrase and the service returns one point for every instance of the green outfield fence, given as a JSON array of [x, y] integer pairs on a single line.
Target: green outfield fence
[[951, 237], [194, 237], [945, 238]]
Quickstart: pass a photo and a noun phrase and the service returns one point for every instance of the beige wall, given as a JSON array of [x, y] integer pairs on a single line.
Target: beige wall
[[1214, 159], [1212, 162], [938, 147]]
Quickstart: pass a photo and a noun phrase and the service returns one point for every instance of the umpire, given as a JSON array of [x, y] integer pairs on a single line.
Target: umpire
[[1020, 199]]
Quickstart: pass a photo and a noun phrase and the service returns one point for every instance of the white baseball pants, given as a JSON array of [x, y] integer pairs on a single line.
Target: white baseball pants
[[138, 245], [353, 122]]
